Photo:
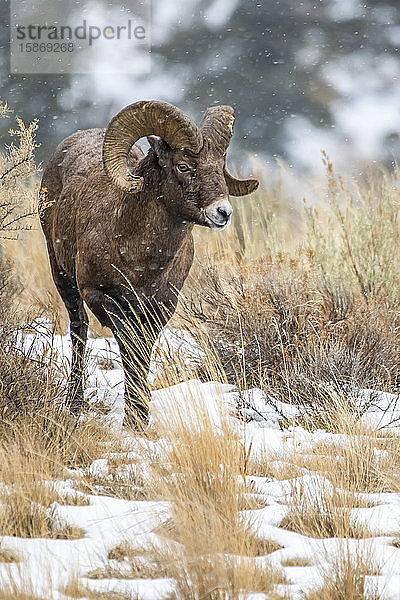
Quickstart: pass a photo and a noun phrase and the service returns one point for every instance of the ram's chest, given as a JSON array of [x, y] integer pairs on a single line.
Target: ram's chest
[[155, 269], [151, 269]]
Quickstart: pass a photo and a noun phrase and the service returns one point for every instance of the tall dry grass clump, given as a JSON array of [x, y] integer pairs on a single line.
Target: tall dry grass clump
[[345, 577], [17, 204], [38, 436], [39, 440], [26, 503], [22, 251], [206, 546], [317, 322], [356, 239], [319, 509], [17, 167], [209, 545]]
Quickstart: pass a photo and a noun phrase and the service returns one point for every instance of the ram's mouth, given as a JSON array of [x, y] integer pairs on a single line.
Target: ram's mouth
[[214, 225]]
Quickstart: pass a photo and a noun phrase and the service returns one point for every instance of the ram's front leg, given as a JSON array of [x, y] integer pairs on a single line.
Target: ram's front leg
[[135, 339], [135, 351], [136, 327]]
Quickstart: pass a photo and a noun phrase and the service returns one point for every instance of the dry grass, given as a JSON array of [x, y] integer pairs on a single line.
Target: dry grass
[[8, 556], [141, 567], [201, 469], [273, 326], [22, 517], [356, 465], [324, 514], [315, 322], [208, 549], [18, 595], [275, 466], [38, 440], [328, 481], [29, 520], [70, 498], [122, 551], [19, 583], [344, 578], [124, 479], [27, 500], [362, 461], [33, 419], [218, 577], [210, 544], [296, 562], [34, 454], [75, 589], [209, 576], [56, 439], [339, 471]]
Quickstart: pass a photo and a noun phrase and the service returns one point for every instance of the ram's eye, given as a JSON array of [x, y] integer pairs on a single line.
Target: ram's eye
[[183, 168]]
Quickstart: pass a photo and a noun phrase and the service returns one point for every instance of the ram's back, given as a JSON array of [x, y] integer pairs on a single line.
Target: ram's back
[[75, 191]]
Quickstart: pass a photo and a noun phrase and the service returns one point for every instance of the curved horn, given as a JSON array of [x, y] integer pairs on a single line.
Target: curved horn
[[217, 126], [136, 121], [240, 187]]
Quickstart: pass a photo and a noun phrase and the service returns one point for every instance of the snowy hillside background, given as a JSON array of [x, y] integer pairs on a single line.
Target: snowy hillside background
[[301, 75]]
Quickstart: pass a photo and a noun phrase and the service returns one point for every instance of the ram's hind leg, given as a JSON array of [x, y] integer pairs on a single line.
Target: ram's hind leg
[[78, 318], [78, 329]]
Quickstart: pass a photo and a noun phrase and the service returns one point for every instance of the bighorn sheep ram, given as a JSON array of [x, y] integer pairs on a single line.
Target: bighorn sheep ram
[[118, 226]]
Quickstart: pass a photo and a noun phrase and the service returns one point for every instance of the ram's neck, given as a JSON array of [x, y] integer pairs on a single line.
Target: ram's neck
[[147, 226]]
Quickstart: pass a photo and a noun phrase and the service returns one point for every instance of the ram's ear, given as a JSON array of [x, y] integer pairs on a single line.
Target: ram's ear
[[240, 187], [160, 147]]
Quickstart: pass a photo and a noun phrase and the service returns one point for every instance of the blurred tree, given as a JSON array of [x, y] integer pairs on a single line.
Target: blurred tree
[[269, 59], [274, 61]]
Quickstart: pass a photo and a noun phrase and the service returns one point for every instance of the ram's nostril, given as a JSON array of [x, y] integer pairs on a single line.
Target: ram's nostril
[[225, 213]]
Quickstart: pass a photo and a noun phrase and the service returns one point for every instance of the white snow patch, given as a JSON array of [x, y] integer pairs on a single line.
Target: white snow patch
[[47, 566]]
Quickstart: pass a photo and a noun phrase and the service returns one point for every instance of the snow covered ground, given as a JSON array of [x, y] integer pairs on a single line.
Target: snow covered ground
[[47, 566]]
